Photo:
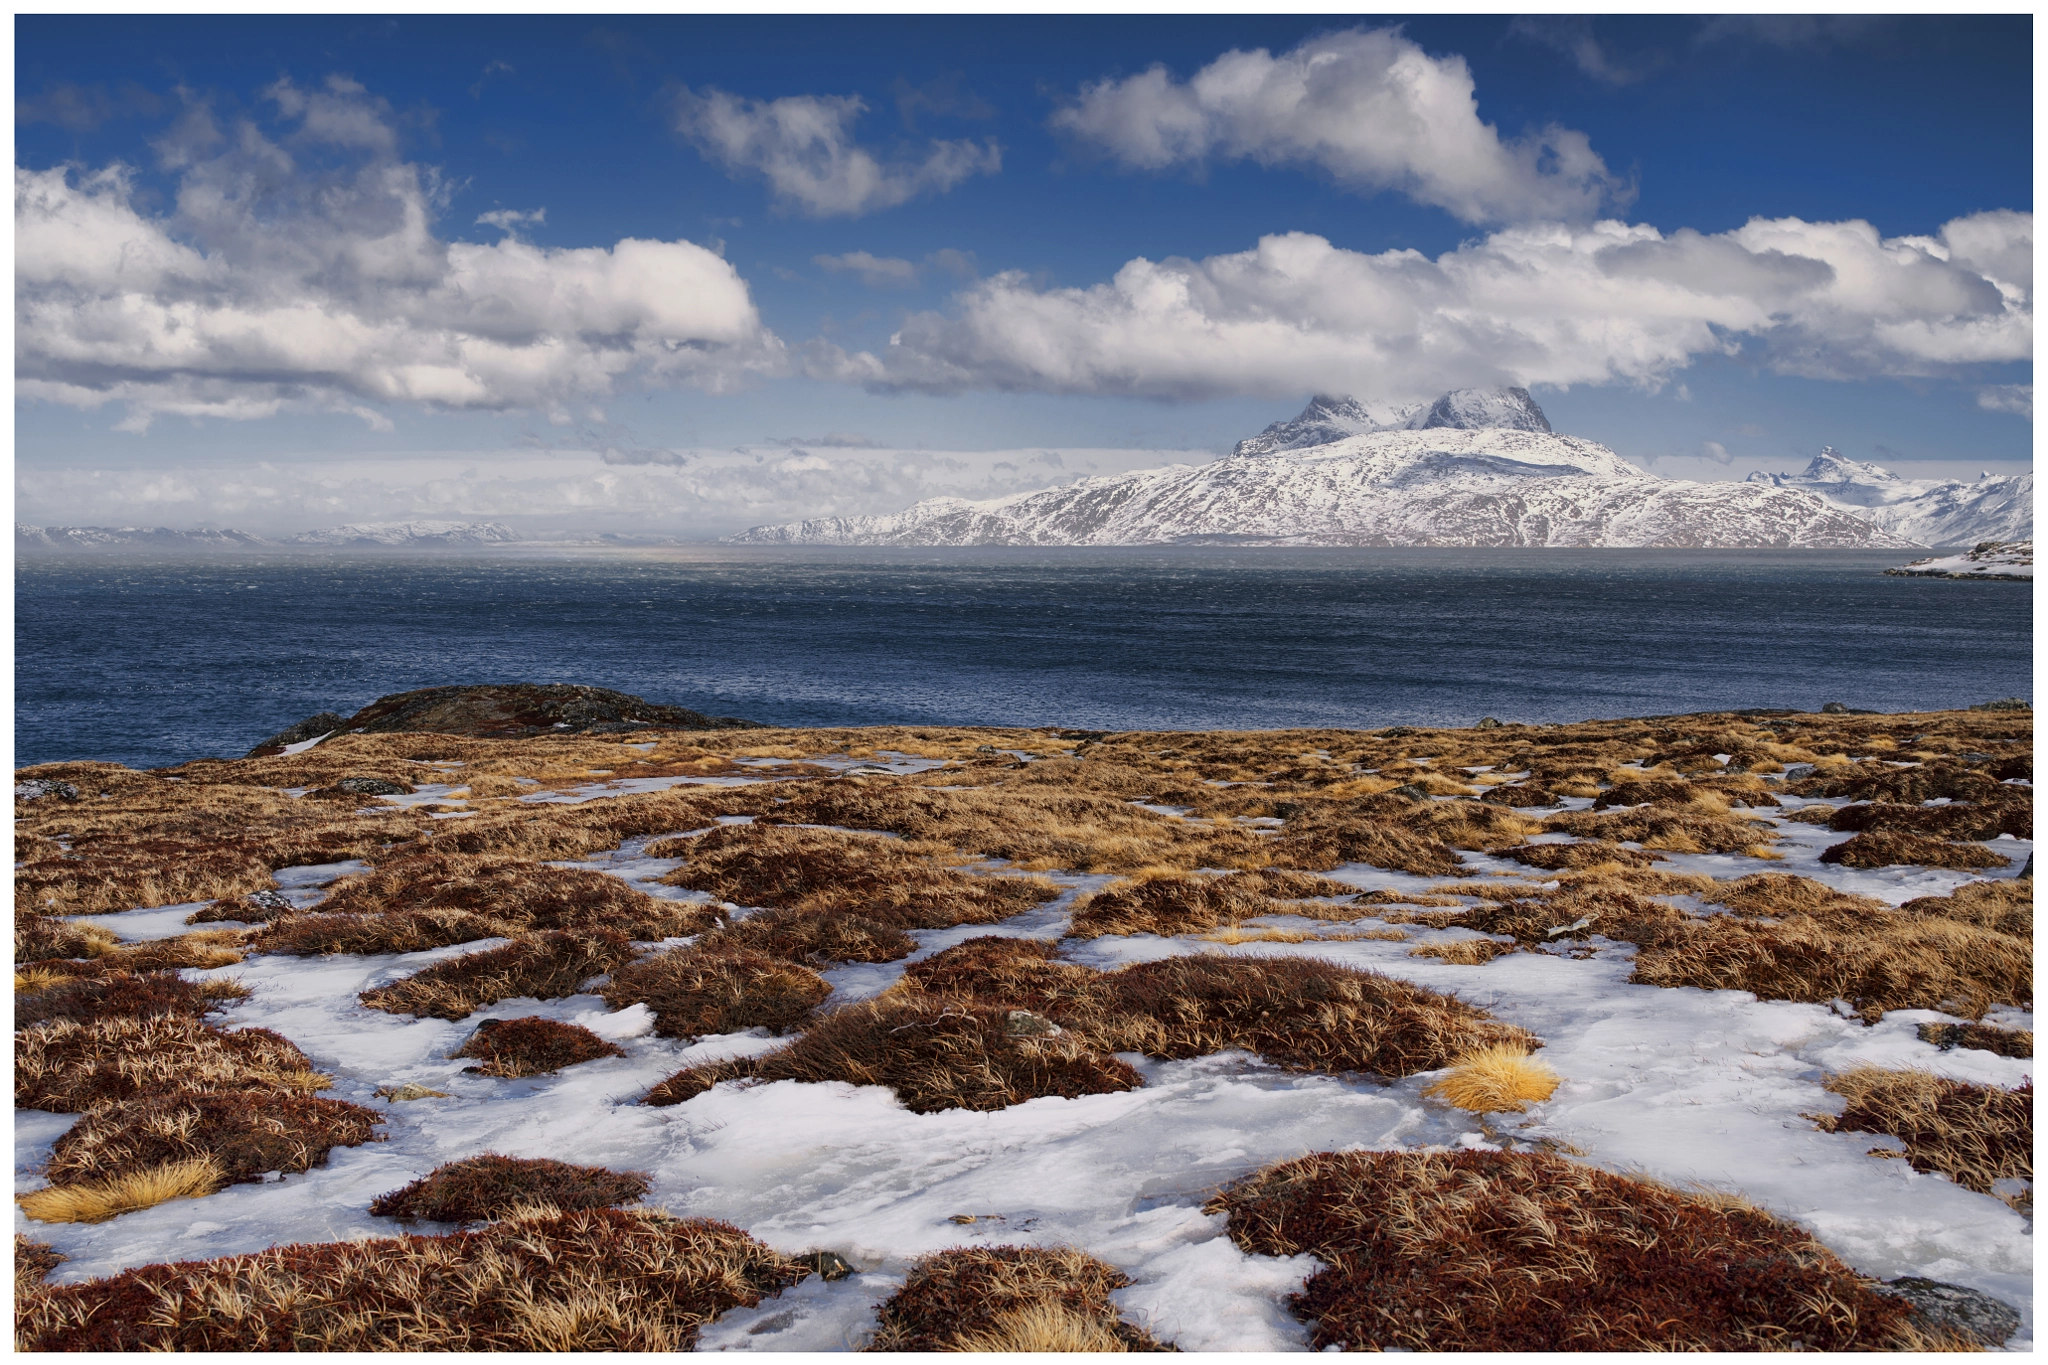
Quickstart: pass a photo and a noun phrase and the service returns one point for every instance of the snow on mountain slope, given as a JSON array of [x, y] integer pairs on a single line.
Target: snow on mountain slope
[[408, 533], [1929, 511], [125, 537], [1475, 468], [1327, 419]]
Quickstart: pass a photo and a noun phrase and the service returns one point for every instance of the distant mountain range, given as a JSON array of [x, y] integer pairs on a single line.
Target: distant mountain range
[[375, 534], [1927, 511], [1478, 467]]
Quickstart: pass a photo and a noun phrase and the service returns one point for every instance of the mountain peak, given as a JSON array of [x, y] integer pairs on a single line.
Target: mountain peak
[[1500, 409], [1330, 418]]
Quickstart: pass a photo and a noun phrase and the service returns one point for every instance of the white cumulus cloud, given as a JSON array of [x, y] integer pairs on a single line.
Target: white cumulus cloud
[[1369, 107], [805, 147], [877, 272], [2017, 399], [307, 272], [1536, 304]]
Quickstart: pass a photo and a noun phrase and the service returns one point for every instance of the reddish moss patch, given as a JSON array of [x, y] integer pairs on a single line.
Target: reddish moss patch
[[596, 1279], [245, 1132], [1492, 1251], [491, 1186], [1006, 1297], [532, 1047], [546, 967], [695, 991]]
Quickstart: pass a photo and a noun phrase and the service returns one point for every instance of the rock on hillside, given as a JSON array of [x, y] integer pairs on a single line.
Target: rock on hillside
[[499, 711]]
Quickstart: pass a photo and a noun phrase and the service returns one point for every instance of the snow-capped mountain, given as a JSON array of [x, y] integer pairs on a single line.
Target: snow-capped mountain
[[381, 533], [1327, 419], [1928, 511], [1477, 467], [129, 537], [408, 533]]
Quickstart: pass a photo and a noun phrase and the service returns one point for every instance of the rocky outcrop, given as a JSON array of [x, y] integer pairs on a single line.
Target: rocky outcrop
[[501, 711], [2010, 560], [1328, 419]]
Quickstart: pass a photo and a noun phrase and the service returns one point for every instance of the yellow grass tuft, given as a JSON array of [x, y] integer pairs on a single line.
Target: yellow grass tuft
[[97, 1201], [1045, 1326], [1501, 1078], [1233, 934], [1464, 952]]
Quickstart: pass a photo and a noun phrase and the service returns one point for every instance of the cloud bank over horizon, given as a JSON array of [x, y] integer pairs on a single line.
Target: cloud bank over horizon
[[1540, 304], [304, 271]]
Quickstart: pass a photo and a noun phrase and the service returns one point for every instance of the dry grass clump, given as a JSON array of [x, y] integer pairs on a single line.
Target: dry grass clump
[[2005, 1042], [814, 937], [879, 878], [1973, 1134], [1987, 819], [33, 1261], [696, 991], [1905, 786], [1464, 952], [479, 1188], [1575, 857], [939, 1054], [207, 948], [1890, 848], [544, 967], [239, 1134], [117, 994], [1500, 1079], [1959, 954], [593, 1280], [40, 938], [408, 931], [1304, 1014], [1048, 815], [518, 892], [1496, 1251], [1519, 796], [71, 1067], [1667, 829], [1178, 903], [96, 1201], [258, 907], [532, 1047], [1007, 1298]]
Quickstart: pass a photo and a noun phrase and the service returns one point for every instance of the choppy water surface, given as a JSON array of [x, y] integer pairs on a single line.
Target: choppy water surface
[[154, 662]]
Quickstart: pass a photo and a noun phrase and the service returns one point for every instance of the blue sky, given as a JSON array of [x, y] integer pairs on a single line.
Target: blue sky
[[251, 247]]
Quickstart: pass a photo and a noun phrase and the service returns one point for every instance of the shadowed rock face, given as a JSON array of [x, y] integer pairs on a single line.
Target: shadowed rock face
[[502, 711]]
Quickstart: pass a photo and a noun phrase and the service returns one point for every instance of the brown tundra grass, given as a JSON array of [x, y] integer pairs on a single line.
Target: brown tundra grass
[[33, 1262], [2004, 1042], [1180, 903], [1973, 1134], [240, 1134], [1008, 1298], [70, 1068], [316, 934], [814, 937], [40, 938], [544, 1280], [522, 893], [122, 995], [491, 1186], [1492, 1251], [873, 876], [532, 1047], [1890, 848], [967, 1027], [936, 1055], [544, 967], [696, 991]]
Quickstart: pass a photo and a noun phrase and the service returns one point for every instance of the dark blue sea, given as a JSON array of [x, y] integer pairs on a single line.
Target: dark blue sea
[[151, 662]]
